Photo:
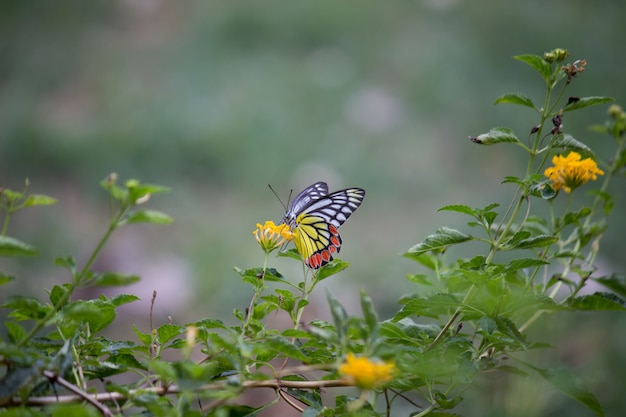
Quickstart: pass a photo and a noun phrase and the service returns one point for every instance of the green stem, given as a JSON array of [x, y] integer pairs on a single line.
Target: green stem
[[76, 281], [452, 319]]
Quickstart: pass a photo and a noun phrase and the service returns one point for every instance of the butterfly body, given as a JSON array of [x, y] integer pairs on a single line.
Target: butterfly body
[[315, 216]]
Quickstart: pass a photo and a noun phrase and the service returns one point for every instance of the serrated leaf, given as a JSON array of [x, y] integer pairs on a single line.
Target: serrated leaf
[[433, 306], [111, 279], [517, 264], [487, 324], [339, 314], [11, 247], [285, 347], [438, 241], [291, 253], [57, 292], [514, 180], [615, 282], [67, 262], [122, 299], [516, 98], [573, 217], [96, 313], [145, 338], [507, 327], [568, 142], [39, 200], [459, 208], [369, 314], [168, 331], [137, 191], [566, 382], [333, 267], [586, 102], [210, 324], [149, 216], [496, 135], [256, 276], [539, 64], [16, 332], [598, 301], [535, 242]]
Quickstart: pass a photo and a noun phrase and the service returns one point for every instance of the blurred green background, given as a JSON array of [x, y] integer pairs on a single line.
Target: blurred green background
[[219, 99]]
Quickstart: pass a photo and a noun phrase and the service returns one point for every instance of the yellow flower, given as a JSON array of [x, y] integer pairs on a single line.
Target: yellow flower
[[271, 236], [571, 171], [365, 373]]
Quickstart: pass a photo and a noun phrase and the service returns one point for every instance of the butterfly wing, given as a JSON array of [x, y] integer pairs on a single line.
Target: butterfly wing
[[316, 227], [304, 199]]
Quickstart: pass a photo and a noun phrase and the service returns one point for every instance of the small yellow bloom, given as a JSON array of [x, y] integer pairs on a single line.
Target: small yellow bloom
[[271, 236], [571, 171], [365, 373]]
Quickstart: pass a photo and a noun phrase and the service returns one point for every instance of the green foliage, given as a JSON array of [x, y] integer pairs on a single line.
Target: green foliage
[[464, 318]]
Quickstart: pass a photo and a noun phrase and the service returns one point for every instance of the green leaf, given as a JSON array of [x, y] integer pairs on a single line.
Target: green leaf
[[428, 260], [570, 218], [122, 299], [167, 332], [330, 269], [291, 253], [487, 324], [517, 264], [15, 331], [369, 314], [459, 208], [112, 279], [438, 241], [39, 200], [566, 382], [496, 135], [539, 64], [25, 308], [210, 324], [149, 216], [137, 191], [73, 410], [568, 142], [535, 242], [432, 306], [339, 314], [11, 247], [586, 102], [145, 338], [598, 301], [615, 282], [507, 327], [96, 313], [68, 263], [516, 98], [286, 348], [5, 279], [58, 292], [256, 276]]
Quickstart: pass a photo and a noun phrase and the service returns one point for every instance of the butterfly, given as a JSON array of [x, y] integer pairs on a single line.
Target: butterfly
[[314, 217]]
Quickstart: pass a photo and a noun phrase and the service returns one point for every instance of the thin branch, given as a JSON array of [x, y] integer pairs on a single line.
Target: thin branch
[[94, 399], [285, 396], [79, 393]]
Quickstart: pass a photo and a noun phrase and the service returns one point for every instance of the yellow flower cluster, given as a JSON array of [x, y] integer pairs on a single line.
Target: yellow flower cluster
[[365, 373], [271, 236], [571, 171]]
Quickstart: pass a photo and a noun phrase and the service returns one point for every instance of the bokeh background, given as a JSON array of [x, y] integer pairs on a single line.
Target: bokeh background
[[219, 99]]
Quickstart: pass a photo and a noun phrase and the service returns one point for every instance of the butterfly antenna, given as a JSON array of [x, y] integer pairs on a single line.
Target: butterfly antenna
[[278, 197]]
